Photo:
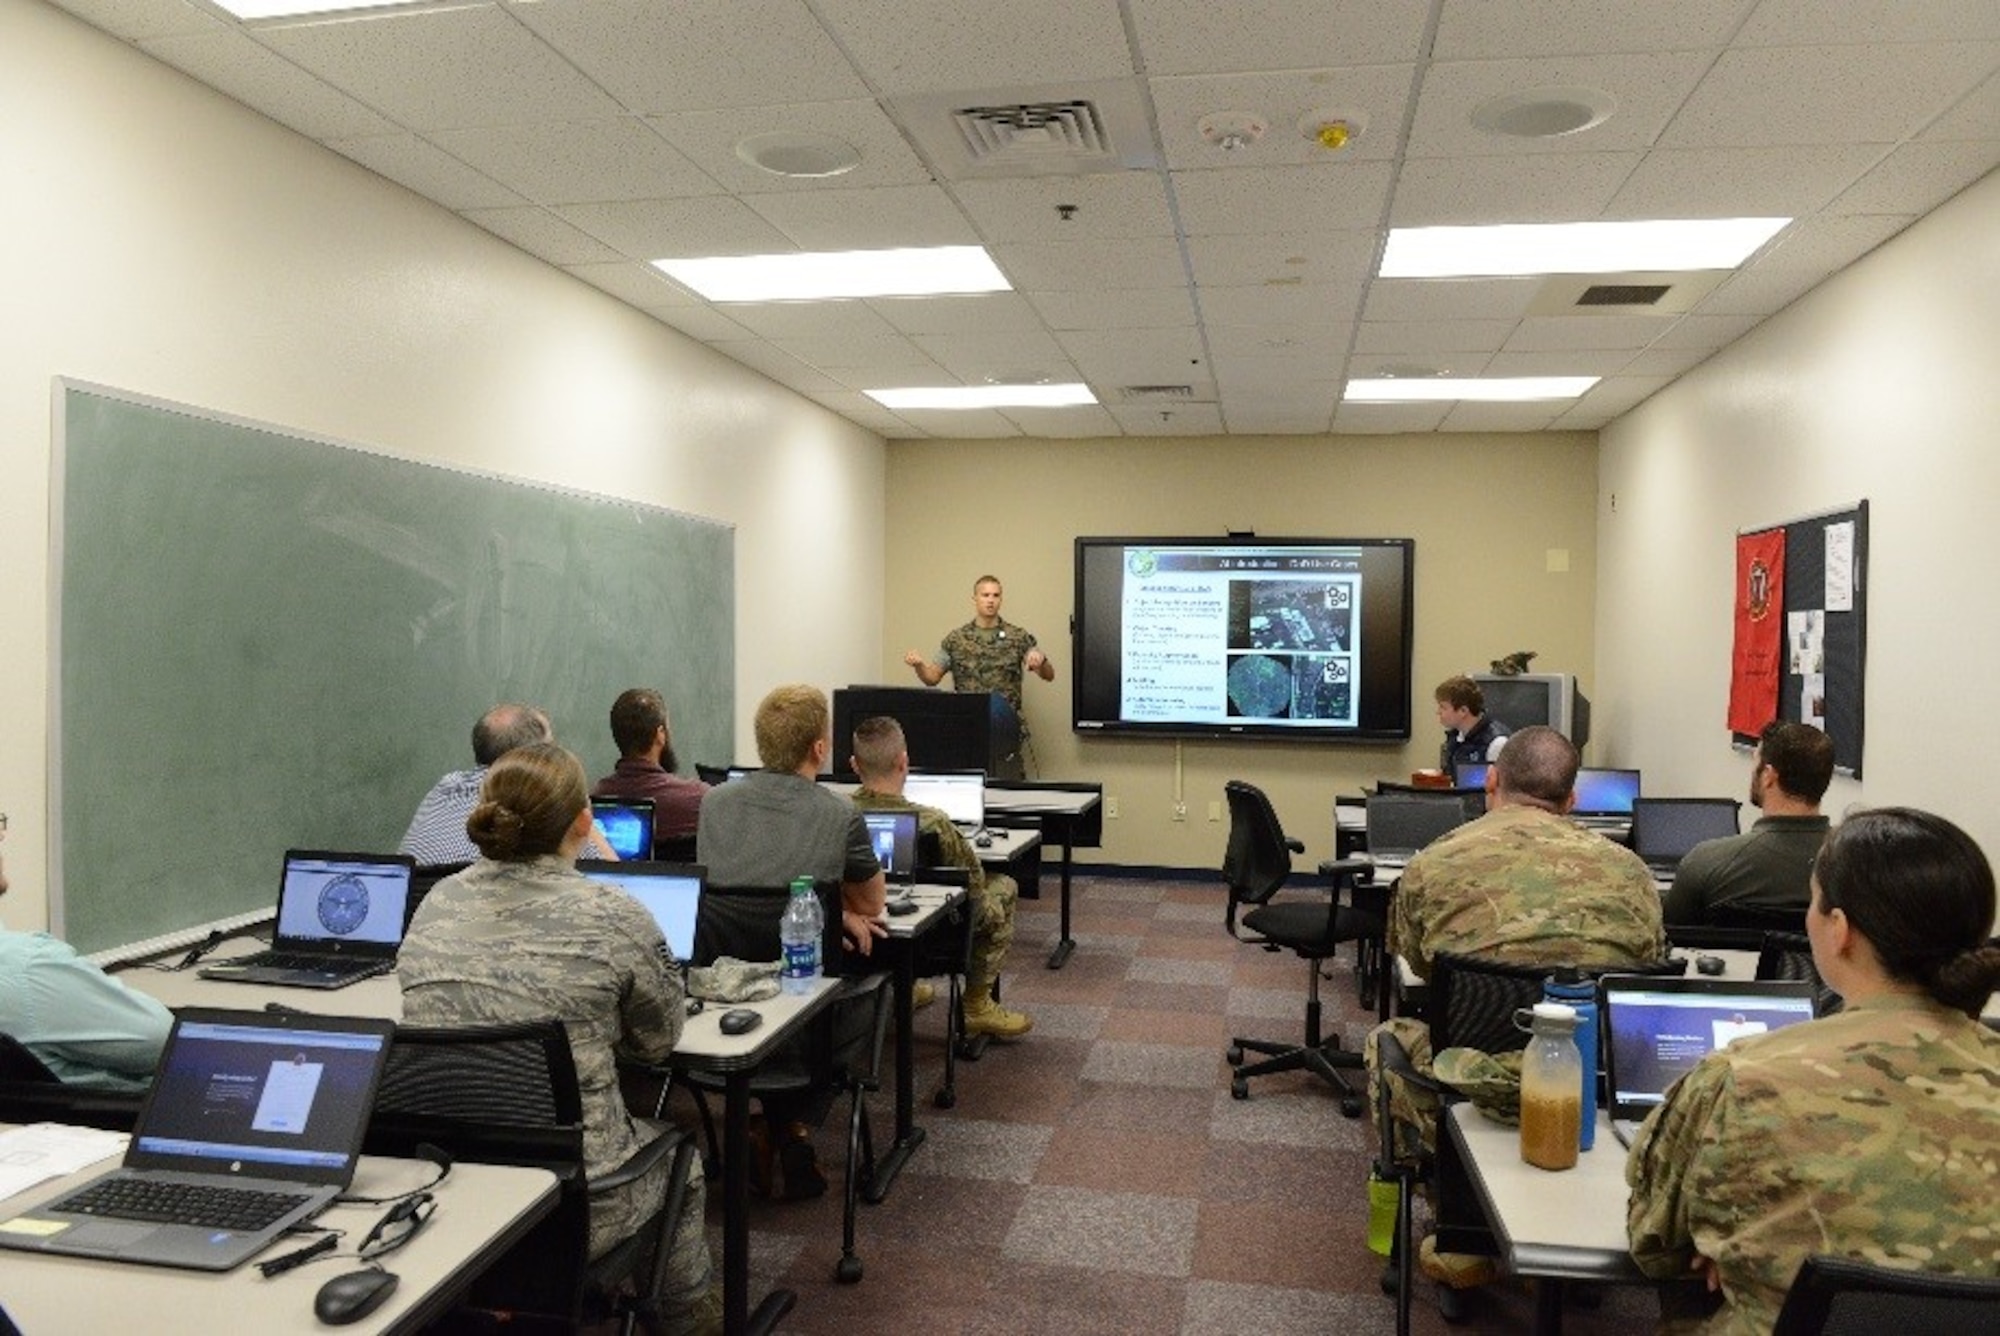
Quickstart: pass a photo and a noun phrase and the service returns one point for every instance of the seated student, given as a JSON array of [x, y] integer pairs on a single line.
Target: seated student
[[1870, 1134], [1766, 867], [437, 833], [775, 824], [646, 765], [85, 1026], [522, 935]]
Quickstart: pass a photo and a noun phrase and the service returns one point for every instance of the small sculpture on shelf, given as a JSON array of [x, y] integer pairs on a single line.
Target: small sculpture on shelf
[[1514, 664]]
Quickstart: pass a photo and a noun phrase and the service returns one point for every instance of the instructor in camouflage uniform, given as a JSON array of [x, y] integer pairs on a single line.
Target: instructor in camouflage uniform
[[521, 935], [986, 654], [883, 762], [1872, 1134]]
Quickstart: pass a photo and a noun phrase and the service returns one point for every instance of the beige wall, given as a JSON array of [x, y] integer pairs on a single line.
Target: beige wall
[[1884, 385], [1485, 512], [159, 238]]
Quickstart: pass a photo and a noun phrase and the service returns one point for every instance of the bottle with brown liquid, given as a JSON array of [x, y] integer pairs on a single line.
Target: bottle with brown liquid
[[1551, 1087]]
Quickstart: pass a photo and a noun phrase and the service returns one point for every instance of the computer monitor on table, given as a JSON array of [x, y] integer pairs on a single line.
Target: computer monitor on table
[[1606, 793]]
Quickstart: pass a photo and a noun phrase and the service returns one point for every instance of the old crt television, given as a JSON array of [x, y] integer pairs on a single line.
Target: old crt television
[[1538, 698], [1303, 639]]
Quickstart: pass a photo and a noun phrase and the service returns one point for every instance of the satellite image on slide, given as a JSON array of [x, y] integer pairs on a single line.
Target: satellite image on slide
[[1289, 686], [1290, 614]]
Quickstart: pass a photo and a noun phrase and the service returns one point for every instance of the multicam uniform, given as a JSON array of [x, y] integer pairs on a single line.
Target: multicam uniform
[[519, 941], [981, 658], [1521, 885], [1873, 1135], [993, 895]]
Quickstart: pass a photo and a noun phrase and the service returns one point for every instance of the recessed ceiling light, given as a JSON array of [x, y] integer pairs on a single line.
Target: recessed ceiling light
[[798, 153], [284, 9], [831, 275], [985, 396], [1444, 389], [1544, 113], [1512, 249]]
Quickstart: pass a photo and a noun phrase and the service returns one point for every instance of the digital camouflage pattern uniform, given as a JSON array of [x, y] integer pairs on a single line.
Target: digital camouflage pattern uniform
[[520, 941], [1522, 885], [988, 659], [1873, 1134], [992, 895]]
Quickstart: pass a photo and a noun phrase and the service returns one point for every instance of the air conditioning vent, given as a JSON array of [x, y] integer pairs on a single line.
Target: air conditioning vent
[[1033, 130], [1623, 294], [1154, 394]]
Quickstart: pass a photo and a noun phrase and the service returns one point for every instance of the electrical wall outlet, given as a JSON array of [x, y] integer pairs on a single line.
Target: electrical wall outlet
[[1180, 811], [1111, 807], [1215, 811]]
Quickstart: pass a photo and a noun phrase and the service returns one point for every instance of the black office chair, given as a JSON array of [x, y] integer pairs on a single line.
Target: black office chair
[[1758, 918], [711, 775], [31, 1093], [1788, 955], [1257, 861], [508, 1094], [947, 952], [674, 849], [424, 880], [1832, 1296]]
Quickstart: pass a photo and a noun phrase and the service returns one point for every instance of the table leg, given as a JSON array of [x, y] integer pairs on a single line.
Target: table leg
[[1064, 943], [736, 1204], [908, 1135], [1548, 1306]]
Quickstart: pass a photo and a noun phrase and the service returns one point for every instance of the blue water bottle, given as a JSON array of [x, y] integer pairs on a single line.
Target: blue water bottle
[[1574, 988]]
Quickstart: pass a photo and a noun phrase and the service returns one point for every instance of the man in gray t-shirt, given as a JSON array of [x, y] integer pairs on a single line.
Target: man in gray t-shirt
[[1769, 866]]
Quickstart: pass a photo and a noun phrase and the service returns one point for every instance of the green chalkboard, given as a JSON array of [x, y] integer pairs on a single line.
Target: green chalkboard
[[271, 641]]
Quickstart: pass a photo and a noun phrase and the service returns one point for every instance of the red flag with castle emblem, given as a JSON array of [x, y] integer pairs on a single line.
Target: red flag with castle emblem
[[1757, 664]]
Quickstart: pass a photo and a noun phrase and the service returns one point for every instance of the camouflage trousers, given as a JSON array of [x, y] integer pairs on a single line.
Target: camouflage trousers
[[687, 1280], [1413, 1110], [992, 933]]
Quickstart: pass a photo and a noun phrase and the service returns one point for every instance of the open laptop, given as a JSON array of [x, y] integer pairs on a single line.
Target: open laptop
[[894, 835], [959, 794], [1470, 774], [1664, 829], [1656, 1028], [341, 918], [627, 825], [1401, 824], [671, 893], [254, 1123]]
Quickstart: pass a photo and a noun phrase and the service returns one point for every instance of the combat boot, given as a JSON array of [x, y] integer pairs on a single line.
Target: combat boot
[[922, 993], [985, 1016]]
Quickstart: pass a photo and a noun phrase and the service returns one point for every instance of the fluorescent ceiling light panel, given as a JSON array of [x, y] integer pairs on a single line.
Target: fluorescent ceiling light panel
[[986, 396], [830, 275], [1575, 248], [1442, 389], [284, 9]]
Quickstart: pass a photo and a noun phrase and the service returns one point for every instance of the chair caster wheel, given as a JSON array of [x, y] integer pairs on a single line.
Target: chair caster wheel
[[848, 1270], [1452, 1306], [1351, 1107], [1239, 1089], [1233, 1056], [944, 1099]]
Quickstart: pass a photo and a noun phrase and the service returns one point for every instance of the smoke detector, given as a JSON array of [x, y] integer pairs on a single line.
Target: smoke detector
[[1232, 130], [1333, 130]]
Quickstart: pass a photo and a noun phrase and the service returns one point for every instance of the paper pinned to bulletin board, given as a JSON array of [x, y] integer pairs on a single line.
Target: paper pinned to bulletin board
[[1822, 592]]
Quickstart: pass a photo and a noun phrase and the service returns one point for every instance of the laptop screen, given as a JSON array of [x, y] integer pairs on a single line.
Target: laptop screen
[[1399, 824], [671, 893], [1470, 774], [1658, 1029], [337, 901], [959, 794], [628, 824], [244, 1092], [1664, 829], [1606, 792], [894, 835]]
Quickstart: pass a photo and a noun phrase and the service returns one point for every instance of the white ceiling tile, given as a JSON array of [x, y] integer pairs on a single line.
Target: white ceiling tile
[[568, 163], [1285, 305], [1822, 95], [1740, 182], [1666, 361], [809, 320], [1544, 188], [1648, 89], [1380, 419], [1433, 336], [1107, 205], [928, 376], [1261, 420], [230, 62], [1018, 354], [1324, 259], [966, 45], [439, 69], [1392, 299], [1973, 118], [1195, 36], [1871, 22], [1917, 177], [859, 408], [1339, 195], [883, 353], [641, 285], [1371, 366], [867, 219], [1277, 374], [1142, 262], [542, 234], [981, 313], [1169, 420], [1707, 331], [696, 54], [1150, 357], [1084, 421], [419, 165], [658, 229], [1559, 362], [760, 356], [963, 425], [709, 139], [1126, 309], [135, 20], [1806, 254], [710, 326], [1324, 350], [1554, 333], [1502, 417], [1376, 95], [1486, 29]]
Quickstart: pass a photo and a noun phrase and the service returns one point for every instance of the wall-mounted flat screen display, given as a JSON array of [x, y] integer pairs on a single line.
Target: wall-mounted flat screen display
[[1295, 638]]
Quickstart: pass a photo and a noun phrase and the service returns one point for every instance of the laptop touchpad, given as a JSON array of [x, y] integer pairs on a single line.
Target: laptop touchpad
[[107, 1235]]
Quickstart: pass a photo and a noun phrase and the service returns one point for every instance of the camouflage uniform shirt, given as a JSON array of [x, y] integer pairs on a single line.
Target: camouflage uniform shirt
[[1873, 1135], [1522, 884], [987, 659], [993, 896], [519, 941]]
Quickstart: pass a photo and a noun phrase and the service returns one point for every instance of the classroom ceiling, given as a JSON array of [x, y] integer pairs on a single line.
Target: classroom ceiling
[[1198, 288]]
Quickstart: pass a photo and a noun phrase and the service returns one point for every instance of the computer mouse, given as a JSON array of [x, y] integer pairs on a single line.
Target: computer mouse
[[983, 841], [353, 1296], [901, 905], [1710, 965], [741, 1020]]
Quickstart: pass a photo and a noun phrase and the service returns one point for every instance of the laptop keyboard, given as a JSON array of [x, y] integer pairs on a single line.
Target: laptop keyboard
[[243, 1210], [296, 960]]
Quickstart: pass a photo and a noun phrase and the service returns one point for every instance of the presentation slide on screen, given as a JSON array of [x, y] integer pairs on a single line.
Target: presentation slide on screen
[[1222, 635]]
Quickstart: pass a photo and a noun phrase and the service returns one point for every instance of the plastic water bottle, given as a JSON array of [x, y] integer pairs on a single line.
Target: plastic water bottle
[[1578, 991], [1550, 1108], [799, 934]]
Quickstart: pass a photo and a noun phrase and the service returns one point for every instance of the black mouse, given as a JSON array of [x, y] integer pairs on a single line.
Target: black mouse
[[742, 1020], [1710, 965], [353, 1296], [983, 841]]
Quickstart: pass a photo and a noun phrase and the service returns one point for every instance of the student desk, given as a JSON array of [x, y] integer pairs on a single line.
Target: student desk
[[900, 950], [482, 1210], [1071, 814]]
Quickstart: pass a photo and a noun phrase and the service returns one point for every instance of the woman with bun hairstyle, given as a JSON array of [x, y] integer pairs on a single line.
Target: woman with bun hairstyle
[[522, 935], [1872, 1134]]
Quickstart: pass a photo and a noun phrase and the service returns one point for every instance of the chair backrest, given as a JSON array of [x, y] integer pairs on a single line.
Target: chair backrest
[[425, 879], [1788, 955], [711, 775], [1832, 1296], [31, 1093], [17, 1063], [1473, 1001], [1409, 820], [674, 849], [1258, 859], [742, 921], [1761, 918]]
